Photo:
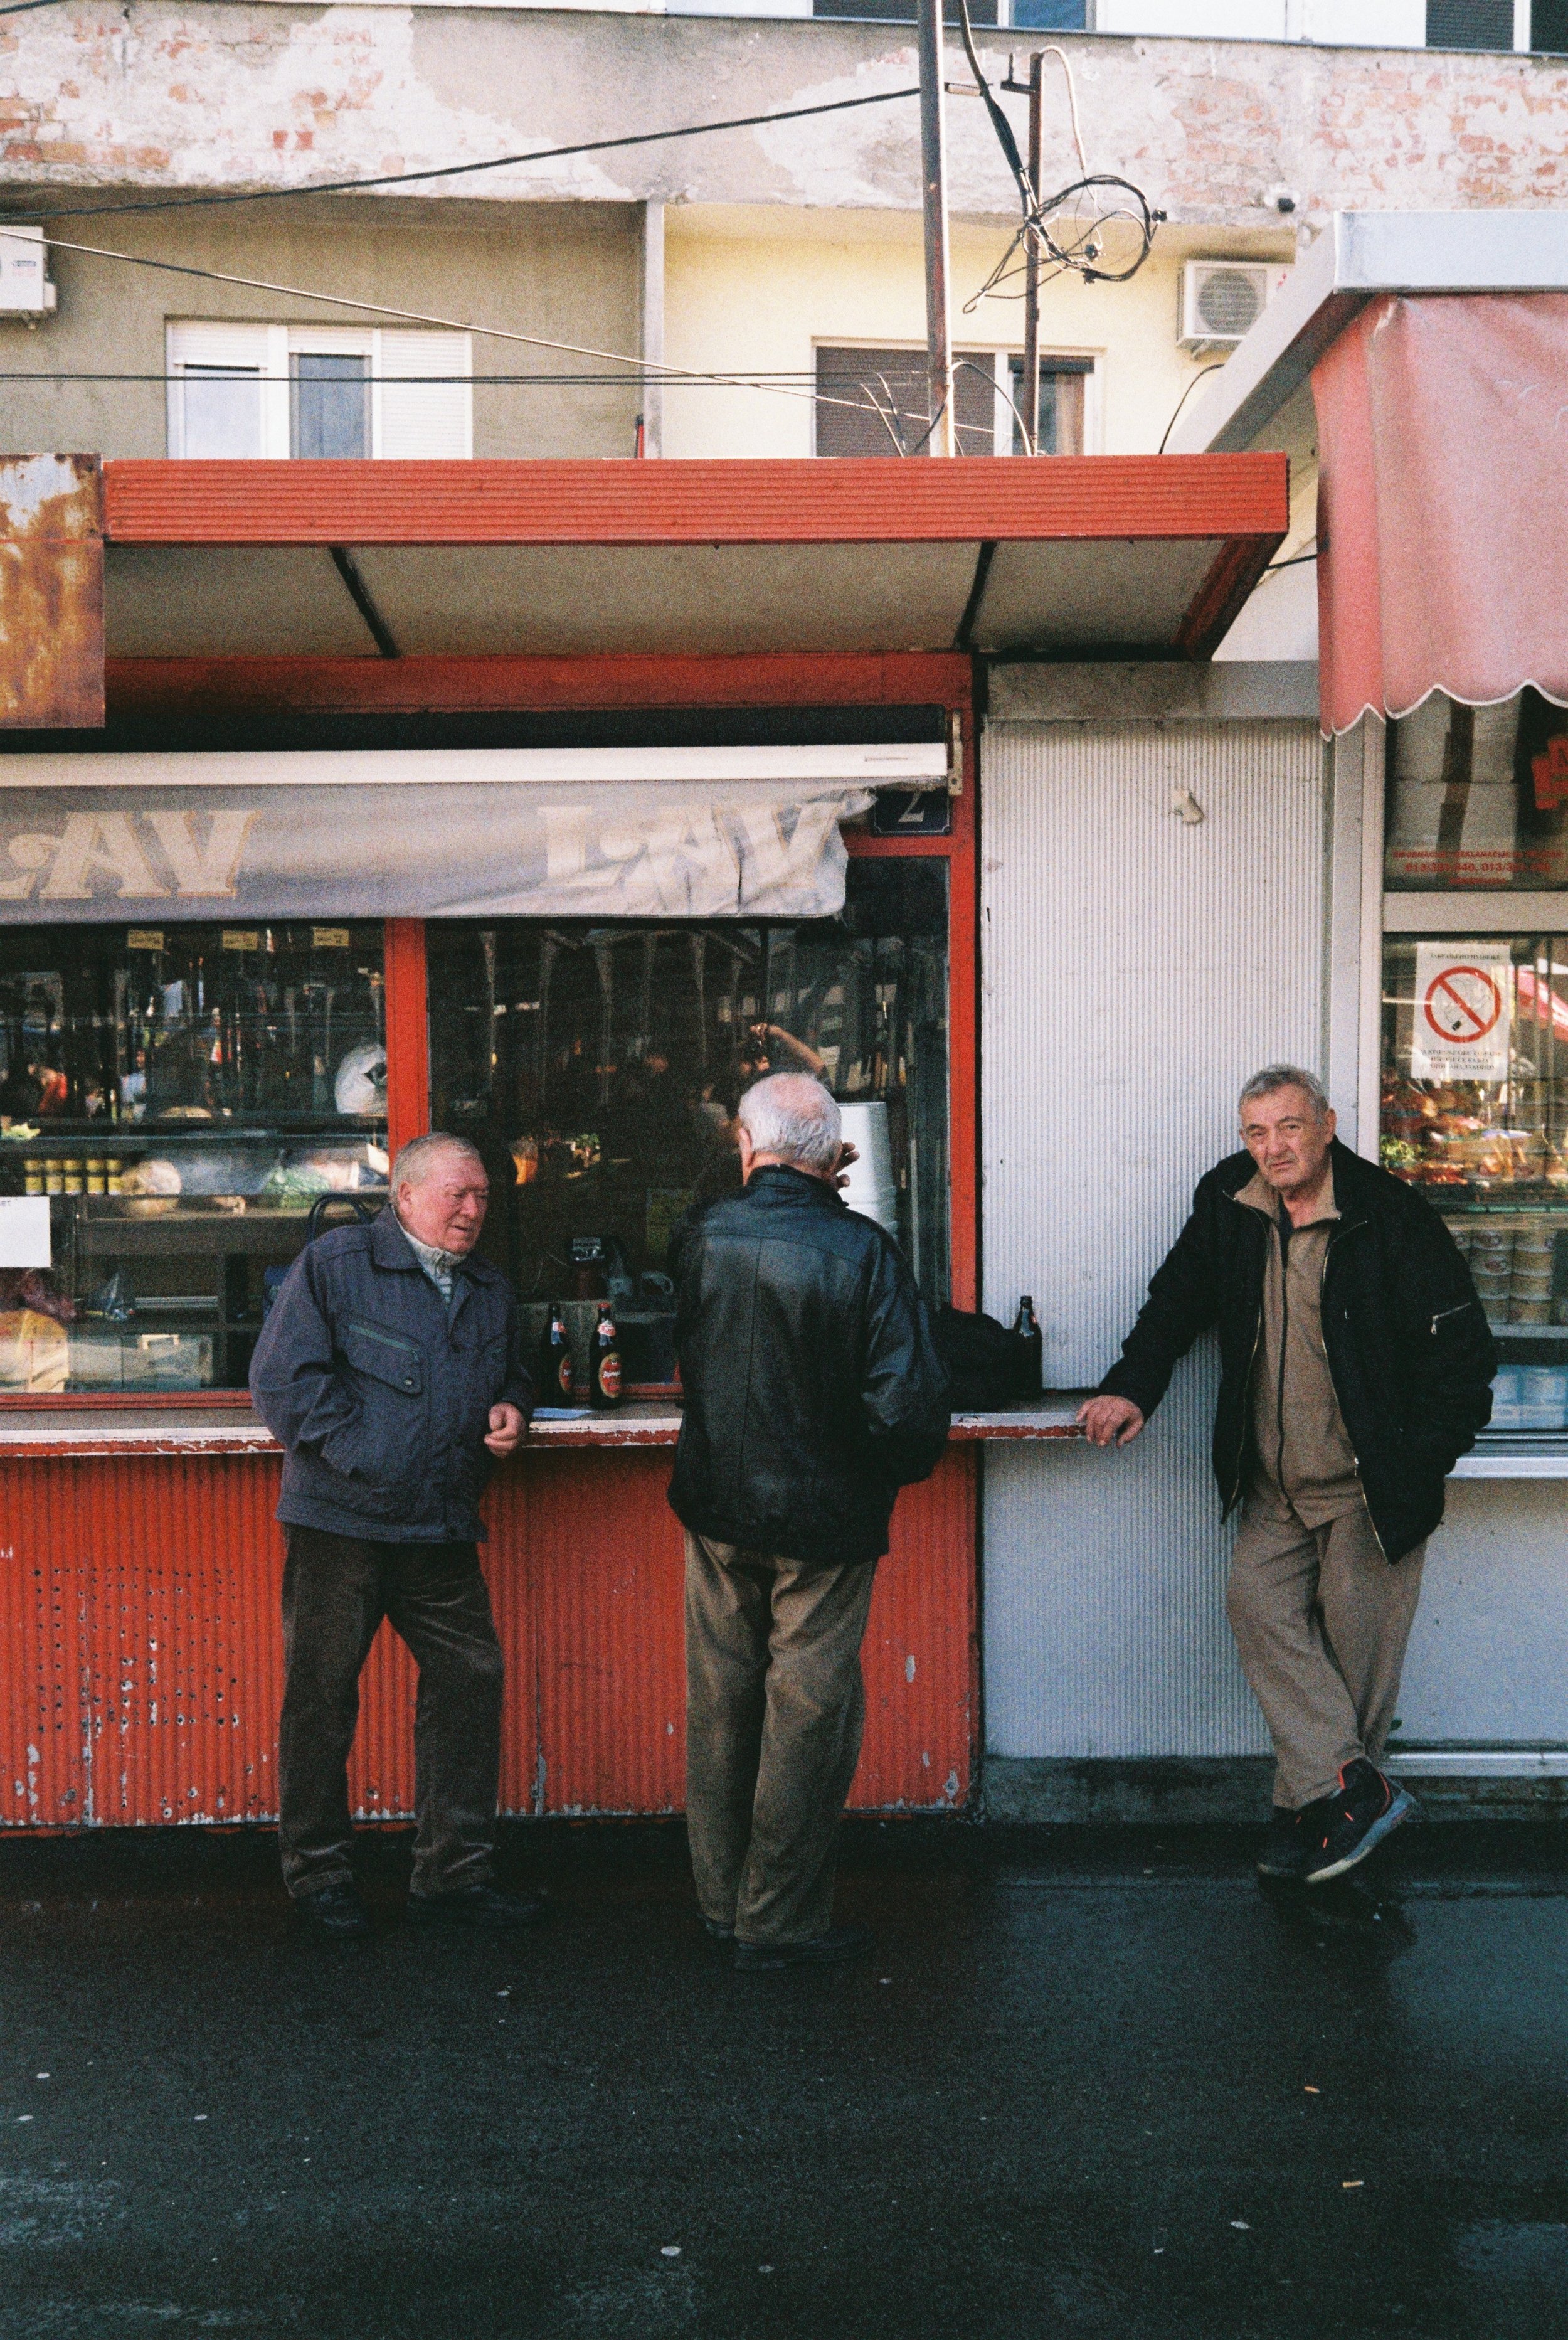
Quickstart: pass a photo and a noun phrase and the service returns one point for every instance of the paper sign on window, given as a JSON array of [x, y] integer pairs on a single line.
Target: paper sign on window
[[1463, 996], [24, 1231]]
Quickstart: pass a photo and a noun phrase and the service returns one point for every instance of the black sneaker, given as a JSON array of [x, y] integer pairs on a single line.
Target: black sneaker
[[479, 1906], [1346, 1827], [335, 1910], [829, 1950], [1287, 1848]]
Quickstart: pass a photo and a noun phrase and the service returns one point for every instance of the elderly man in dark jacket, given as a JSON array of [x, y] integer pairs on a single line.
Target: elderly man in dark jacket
[[1355, 1368], [388, 1368], [812, 1394]]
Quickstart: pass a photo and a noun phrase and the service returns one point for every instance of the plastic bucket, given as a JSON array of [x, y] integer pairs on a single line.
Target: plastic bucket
[[873, 1190]]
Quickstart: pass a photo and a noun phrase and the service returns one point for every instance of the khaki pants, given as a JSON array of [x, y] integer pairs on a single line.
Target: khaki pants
[[774, 1710], [1321, 1620]]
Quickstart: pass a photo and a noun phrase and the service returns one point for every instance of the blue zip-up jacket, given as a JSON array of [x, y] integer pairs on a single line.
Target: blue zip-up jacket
[[379, 1395]]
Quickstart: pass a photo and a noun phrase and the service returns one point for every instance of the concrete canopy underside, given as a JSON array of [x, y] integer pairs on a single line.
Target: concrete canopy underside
[[1144, 555]]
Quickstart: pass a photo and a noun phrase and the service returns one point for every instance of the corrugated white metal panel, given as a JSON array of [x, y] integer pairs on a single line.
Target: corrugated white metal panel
[[1137, 966]]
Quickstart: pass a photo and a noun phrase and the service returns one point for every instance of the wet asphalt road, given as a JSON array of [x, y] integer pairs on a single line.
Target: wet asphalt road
[[1088, 2086]]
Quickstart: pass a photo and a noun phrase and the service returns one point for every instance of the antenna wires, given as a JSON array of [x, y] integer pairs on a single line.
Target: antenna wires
[[1099, 227]]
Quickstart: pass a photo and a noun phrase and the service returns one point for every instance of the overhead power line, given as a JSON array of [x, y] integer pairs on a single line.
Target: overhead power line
[[457, 170], [640, 368]]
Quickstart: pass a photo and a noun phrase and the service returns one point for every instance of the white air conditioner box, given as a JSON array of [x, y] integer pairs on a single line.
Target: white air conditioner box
[[25, 287], [1222, 299]]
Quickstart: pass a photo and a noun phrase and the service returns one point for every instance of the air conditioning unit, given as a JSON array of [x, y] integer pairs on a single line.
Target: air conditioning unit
[[26, 291], [1222, 299]]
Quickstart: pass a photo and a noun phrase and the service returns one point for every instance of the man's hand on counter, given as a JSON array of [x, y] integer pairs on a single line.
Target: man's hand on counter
[[507, 1426], [1110, 1421]]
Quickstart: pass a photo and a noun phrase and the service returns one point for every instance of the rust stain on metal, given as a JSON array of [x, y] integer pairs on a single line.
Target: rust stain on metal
[[51, 592]]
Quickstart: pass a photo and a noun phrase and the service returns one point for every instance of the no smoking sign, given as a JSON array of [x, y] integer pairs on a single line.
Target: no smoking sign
[[1463, 992]]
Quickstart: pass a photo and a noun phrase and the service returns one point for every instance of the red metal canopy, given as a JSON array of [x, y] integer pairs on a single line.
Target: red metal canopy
[[1152, 554]]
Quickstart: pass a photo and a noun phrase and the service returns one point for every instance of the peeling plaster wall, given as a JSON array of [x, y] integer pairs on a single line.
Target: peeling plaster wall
[[163, 95], [568, 272]]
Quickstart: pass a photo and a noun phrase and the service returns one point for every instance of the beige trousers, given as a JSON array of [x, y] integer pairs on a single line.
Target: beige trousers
[[1321, 1620], [774, 1710]]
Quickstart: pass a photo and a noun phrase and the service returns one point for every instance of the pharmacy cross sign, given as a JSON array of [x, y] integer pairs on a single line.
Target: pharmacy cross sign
[[1463, 1003]]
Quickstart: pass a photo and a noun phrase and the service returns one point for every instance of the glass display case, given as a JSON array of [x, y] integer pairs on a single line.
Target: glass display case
[[598, 1069], [183, 1095], [1474, 1060], [1491, 1153]]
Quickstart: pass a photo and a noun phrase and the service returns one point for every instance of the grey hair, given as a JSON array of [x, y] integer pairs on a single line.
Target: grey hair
[[416, 1159], [792, 1116], [1287, 1076]]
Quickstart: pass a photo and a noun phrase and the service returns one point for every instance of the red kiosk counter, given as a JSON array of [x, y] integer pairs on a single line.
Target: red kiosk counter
[[670, 778]]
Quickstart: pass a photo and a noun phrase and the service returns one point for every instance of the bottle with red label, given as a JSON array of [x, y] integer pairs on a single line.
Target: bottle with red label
[[605, 1382], [557, 1379]]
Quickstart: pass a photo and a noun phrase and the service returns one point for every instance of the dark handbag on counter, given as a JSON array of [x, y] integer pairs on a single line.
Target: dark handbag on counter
[[988, 1366]]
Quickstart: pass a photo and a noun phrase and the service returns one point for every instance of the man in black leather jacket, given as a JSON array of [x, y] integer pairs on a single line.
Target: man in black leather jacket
[[1356, 1365], [812, 1394]]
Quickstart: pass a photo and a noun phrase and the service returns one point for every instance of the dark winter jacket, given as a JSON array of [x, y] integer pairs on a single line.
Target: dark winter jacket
[[813, 1390], [1409, 1350], [380, 1396]]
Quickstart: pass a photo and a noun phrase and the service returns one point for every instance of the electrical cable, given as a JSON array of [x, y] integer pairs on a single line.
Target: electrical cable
[[1082, 249], [460, 170], [1181, 401], [650, 370], [1297, 561]]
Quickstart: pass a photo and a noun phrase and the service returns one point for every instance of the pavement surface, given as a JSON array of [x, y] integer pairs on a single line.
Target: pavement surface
[[1089, 2084]]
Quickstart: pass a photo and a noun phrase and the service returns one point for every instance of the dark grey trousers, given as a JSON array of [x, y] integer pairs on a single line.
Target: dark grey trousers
[[336, 1590], [774, 1710]]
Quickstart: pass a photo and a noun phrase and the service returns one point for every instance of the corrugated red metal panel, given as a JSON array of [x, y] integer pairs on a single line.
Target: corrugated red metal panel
[[802, 500], [142, 1663], [920, 1660], [602, 1551]]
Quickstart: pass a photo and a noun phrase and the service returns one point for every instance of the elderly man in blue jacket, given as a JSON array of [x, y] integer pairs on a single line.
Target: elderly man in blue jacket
[[390, 1370]]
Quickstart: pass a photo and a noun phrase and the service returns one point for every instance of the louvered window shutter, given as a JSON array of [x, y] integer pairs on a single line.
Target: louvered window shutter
[[424, 394]]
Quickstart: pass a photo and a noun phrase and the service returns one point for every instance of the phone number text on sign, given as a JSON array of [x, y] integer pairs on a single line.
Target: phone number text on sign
[[1463, 997]]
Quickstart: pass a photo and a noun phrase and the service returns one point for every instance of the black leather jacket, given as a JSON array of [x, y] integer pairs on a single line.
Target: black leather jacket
[[1409, 1350], [813, 1390]]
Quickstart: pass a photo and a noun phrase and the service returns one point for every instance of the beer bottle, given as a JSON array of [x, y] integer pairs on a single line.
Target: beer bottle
[[605, 1387], [556, 1380], [1030, 1360]]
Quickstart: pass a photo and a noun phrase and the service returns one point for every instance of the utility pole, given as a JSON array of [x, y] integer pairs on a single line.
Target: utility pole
[[1028, 389], [933, 186]]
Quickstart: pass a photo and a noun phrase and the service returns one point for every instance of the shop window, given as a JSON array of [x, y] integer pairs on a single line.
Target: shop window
[[1058, 407], [877, 402], [1475, 1113], [599, 1068], [244, 390], [1478, 797], [183, 1095], [1470, 23]]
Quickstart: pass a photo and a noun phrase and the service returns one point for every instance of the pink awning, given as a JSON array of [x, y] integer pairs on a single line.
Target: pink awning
[[1443, 503]]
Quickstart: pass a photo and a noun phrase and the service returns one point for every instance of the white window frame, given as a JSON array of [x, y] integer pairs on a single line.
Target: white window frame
[[392, 350]]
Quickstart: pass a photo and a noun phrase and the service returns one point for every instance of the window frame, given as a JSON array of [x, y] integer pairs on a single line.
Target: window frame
[[398, 354]]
